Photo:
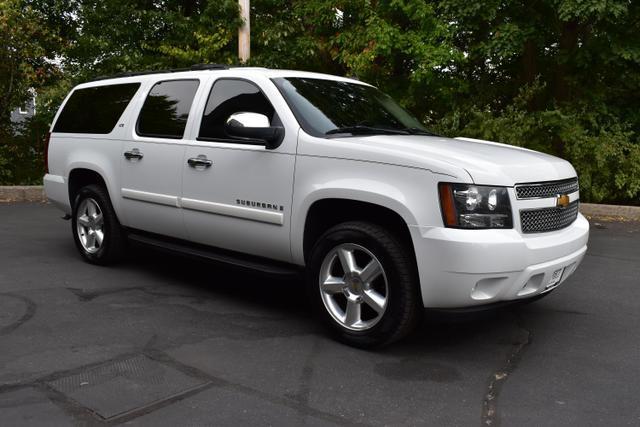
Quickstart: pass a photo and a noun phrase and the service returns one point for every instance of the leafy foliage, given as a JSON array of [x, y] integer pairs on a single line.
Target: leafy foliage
[[22, 156], [27, 49], [560, 76], [26, 45], [604, 150]]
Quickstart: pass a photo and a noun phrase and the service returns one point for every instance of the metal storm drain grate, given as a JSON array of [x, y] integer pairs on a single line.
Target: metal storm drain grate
[[125, 386]]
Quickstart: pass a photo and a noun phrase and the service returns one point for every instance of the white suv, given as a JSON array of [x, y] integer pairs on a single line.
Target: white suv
[[288, 171]]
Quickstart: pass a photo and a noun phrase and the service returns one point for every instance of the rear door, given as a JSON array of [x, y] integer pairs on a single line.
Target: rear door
[[152, 158], [241, 199]]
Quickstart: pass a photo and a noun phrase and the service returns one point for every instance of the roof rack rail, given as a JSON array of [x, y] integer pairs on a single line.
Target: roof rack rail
[[209, 67], [194, 67]]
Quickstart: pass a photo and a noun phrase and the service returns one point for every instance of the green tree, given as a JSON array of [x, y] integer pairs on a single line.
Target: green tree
[[553, 75], [27, 51], [561, 76], [111, 36]]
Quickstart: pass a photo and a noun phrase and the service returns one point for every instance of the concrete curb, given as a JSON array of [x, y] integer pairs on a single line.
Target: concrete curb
[[22, 193], [35, 193], [611, 212]]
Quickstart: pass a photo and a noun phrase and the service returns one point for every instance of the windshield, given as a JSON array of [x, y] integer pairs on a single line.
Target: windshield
[[328, 108]]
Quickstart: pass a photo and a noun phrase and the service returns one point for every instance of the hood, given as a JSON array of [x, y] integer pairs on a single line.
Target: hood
[[486, 162]]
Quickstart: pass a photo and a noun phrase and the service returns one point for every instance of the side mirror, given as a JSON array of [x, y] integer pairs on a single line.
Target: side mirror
[[254, 127]]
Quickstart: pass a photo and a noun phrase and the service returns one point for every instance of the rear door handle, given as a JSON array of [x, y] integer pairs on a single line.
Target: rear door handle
[[200, 161], [133, 154]]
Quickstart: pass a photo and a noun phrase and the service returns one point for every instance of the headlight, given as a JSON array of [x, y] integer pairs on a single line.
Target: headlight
[[475, 206]]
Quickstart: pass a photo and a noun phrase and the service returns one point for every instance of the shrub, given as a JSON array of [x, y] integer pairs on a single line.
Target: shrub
[[21, 153]]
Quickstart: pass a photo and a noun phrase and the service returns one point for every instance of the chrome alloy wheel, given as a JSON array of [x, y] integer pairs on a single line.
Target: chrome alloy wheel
[[90, 225], [355, 296]]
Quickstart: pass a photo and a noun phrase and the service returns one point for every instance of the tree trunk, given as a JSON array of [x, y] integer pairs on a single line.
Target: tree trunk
[[530, 68], [562, 88], [567, 47], [529, 62], [189, 7]]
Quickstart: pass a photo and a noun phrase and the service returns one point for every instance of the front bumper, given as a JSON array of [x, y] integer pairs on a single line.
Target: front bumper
[[465, 268]]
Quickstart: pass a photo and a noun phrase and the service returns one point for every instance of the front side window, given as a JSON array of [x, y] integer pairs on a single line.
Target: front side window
[[166, 109], [95, 109], [330, 107], [231, 96]]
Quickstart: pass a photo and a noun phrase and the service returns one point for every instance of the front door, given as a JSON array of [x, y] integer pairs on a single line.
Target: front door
[[236, 194], [152, 159]]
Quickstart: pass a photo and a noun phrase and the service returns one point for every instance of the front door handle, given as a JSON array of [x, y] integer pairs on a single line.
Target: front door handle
[[133, 154], [200, 161]]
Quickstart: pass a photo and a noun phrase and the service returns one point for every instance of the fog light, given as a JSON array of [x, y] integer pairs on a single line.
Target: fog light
[[555, 278]]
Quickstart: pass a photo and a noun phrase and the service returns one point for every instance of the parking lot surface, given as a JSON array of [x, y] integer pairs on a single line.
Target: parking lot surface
[[163, 340]]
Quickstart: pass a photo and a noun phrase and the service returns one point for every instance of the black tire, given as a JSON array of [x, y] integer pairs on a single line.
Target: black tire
[[404, 304], [113, 245]]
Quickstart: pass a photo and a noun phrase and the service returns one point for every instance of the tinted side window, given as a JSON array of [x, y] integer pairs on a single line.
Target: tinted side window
[[230, 96], [166, 109], [95, 109]]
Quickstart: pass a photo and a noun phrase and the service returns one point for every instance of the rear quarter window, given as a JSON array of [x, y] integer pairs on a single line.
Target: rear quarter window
[[95, 109]]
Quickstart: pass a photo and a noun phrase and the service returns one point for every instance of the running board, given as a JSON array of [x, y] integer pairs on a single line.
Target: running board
[[233, 259]]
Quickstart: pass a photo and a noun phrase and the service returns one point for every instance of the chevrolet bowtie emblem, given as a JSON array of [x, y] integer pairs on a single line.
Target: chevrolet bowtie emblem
[[562, 200]]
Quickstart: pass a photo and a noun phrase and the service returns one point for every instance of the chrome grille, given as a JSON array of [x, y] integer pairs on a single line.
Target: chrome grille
[[542, 190], [548, 219]]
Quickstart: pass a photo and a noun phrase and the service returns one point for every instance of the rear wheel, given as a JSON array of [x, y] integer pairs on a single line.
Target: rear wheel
[[96, 230], [364, 285]]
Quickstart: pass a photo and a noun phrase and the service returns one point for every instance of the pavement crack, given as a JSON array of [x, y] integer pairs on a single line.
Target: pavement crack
[[30, 311], [85, 295], [153, 292], [490, 416], [298, 403], [307, 374], [89, 295], [80, 415]]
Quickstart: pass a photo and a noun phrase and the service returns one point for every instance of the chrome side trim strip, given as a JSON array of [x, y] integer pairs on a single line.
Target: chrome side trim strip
[[234, 211], [143, 196]]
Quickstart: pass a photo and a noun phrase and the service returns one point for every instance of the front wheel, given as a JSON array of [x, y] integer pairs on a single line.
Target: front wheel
[[95, 227], [363, 283]]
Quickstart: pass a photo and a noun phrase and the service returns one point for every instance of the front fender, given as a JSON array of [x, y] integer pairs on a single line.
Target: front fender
[[409, 192]]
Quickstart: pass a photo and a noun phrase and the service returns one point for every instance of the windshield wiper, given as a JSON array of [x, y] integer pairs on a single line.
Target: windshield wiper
[[359, 129], [418, 131]]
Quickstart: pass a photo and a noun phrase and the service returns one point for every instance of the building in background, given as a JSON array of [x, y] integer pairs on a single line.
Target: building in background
[[25, 111]]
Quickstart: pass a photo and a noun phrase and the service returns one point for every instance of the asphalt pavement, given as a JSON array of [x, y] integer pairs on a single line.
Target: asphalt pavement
[[164, 340]]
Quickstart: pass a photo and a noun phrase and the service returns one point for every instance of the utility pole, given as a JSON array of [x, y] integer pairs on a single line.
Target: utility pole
[[244, 34]]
